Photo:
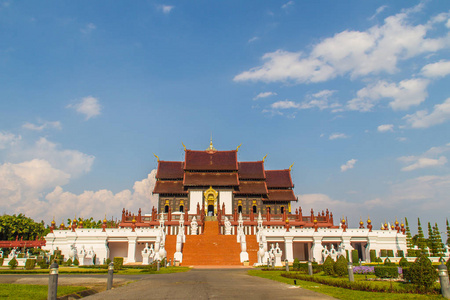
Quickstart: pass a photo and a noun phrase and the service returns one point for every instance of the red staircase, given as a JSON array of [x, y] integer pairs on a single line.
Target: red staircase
[[211, 248], [252, 249], [170, 246]]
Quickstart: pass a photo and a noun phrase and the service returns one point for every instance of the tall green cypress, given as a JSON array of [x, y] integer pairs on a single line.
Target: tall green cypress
[[421, 242], [431, 241], [448, 233], [438, 241], [409, 244]]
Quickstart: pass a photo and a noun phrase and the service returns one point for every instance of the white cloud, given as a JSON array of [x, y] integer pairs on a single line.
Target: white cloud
[[348, 165], [88, 106], [264, 95], [438, 69], [8, 139], [402, 139], [378, 11], [405, 94], [318, 100], [430, 158], [43, 125], [424, 119], [287, 4], [285, 104], [385, 127], [253, 39], [356, 53], [166, 9], [337, 135], [88, 28]]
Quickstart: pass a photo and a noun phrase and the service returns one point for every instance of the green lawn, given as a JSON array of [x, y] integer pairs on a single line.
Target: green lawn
[[339, 293], [75, 270], [35, 292]]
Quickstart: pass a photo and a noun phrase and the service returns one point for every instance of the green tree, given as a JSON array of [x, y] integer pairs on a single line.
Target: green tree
[[340, 267], [431, 241], [422, 273], [448, 233], [421, 242], [438, 241], [20, 226], [328, 266]]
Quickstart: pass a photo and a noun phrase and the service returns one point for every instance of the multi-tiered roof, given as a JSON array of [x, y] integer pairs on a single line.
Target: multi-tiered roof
[[221, 169]]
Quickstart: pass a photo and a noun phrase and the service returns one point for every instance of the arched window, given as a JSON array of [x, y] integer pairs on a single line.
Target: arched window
[[254, 209], [166, 208], [282, 209], [240, 209], [181, 208]]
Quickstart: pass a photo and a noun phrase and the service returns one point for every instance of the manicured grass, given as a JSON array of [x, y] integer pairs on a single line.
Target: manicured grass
[[339, 293], [35, 292], [161, 271], [75, 270]]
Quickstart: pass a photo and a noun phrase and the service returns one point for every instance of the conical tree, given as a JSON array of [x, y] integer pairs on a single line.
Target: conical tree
[[421, 242], [448, 233], [431, 241], [438, 241], [409, 243]]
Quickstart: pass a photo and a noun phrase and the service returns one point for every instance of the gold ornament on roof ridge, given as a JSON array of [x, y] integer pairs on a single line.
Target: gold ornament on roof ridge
[[290, 167], [264, 158], [238, 147], [157, 157], [183, 146]]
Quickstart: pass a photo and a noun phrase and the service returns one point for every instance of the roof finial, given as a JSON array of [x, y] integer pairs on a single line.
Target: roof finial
[[183, 146], [156, 156], [290, 167], [211, 147], [238, 147], [264, 158]]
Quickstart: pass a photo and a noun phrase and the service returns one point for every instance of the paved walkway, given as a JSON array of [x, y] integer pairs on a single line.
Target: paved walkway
[[208, 284]]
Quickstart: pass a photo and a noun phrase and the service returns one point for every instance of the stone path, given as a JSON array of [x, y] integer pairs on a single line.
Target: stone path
[[207, 284]]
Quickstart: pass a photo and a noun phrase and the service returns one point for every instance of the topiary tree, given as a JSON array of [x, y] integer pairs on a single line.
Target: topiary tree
[[296, 264], [421, 241], [13, 263], [403, 263], [328, 266], [409, 243], [355, 256], [439, 251], [340, 267], [422, 273], [448, 232], [69, 262], [76, 262], [373, 255]]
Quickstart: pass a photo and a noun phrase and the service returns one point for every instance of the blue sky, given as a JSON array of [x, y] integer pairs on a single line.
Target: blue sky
[[355, 93]]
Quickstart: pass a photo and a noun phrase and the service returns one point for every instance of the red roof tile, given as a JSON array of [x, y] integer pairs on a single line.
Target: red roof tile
[[211, 160], [170, 170], [251, 170], [279, 179], [169, 187], [281, 195], [210, 179], [252, 187]]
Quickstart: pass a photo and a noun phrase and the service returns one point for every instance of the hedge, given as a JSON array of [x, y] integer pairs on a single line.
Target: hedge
[[355, 256], [383, 253], [1, 261], [386, 271], [30, 264], [373, 255], [400, 253], [390, 253], [118, 263], [303, 267]]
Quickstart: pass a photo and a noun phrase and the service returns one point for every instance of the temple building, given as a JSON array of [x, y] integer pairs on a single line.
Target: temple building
[[212, 179]]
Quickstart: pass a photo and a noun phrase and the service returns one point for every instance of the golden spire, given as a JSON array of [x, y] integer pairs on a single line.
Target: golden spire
[[264, 158], [211, 147], [183, 146], [238, 147], [290, 167], [156, 156]]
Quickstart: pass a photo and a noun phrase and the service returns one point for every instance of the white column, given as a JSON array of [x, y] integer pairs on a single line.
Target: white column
[[131, 250], [288, 247], [348, 247], [316, 249]]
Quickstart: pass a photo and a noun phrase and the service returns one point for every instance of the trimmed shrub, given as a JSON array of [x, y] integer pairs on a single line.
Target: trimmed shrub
[[108, 261], [328, 266], [373, 255], [1, 261], [340, 267], [422, 273], [400, 253], [403, 262], [118, 263], [296, 264], [390, 253], [355, 256], [76, 262], [383, 253], [386, 271], [379, 259], [412, 253], [387, 262], [43, 264], [346, 254], [69, 262], [30, 264], [13, 263]]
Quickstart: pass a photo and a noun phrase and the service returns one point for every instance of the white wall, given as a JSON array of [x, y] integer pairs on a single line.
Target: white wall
[[194, 198], [226, 197]]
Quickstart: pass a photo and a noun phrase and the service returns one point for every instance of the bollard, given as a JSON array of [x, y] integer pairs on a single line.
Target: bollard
[[350, 272], [109, 282], [286, 263], [268, 263], [170, 262], [310, 269], [157, 265], [53, 282], [443, 279]]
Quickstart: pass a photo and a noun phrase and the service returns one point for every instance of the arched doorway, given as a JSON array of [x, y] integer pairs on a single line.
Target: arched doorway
[[211, 201], [210, 210]]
